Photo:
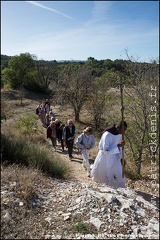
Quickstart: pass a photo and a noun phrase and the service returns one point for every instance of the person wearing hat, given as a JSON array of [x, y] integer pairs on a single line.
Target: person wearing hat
[[85, 142]]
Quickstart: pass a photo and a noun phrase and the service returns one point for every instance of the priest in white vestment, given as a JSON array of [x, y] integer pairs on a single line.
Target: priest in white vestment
[[107, 166]]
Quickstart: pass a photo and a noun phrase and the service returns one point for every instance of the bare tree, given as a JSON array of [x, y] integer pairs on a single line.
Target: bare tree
[[99, 97], [74, 87], [142, 77]]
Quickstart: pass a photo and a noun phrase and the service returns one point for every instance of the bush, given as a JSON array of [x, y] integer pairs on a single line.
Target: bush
[[36, 87], [18, 151], [81, 227], [28, 126]]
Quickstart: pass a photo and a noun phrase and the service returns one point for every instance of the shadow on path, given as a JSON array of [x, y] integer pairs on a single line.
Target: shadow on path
[[149, 198]]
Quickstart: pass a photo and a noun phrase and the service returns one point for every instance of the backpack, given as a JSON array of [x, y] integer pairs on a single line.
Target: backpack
[[37, 111]]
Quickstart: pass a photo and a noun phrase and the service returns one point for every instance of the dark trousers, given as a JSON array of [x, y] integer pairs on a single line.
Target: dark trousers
[[70, 147], [62, 144]]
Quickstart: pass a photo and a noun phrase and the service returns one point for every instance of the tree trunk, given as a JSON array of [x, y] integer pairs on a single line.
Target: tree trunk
[[77, 116], [139, 162]]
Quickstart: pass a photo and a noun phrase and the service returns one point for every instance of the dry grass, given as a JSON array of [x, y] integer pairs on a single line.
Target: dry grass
[[24, 185], [14, 110], [24, 181]]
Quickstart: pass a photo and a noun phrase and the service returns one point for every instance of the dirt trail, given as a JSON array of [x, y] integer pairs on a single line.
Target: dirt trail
[[77, 170]]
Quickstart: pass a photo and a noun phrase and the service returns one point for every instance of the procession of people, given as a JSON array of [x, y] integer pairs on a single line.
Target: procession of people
[[108, 164]]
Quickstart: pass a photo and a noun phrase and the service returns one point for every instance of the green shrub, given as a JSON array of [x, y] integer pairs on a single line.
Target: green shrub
[[82, 227], [28, 125], [22, 152]]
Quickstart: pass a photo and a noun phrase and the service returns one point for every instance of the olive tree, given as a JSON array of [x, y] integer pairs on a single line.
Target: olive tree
[[74, 85], [99, 97]]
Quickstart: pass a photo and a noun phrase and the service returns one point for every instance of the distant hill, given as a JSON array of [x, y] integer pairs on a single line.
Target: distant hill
[[5, 59], [71, 61]]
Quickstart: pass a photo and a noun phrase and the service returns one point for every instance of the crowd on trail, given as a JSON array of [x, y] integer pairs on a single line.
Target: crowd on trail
[[107, 167]]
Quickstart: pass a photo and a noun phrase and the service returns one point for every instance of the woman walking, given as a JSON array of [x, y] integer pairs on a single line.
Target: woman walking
[[85, 142], [51, 133]]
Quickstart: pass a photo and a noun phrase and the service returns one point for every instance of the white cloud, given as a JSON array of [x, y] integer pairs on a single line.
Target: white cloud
[[99, 12], [50, 9], [100, 9]]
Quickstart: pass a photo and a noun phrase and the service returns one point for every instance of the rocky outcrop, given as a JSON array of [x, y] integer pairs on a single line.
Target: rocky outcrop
[[99, 211]]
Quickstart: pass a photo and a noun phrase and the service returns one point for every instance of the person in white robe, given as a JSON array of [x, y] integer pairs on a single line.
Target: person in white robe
[[107, 167], [85, 142]]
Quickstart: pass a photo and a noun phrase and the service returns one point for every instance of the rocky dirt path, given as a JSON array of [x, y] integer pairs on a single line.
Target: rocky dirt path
[[77, 170]]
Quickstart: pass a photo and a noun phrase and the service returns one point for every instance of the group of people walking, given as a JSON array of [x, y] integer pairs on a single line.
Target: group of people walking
[[45, 112], [107, 167]]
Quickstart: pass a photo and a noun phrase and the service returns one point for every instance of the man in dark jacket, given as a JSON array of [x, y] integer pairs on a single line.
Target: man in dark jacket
[[69, 134]]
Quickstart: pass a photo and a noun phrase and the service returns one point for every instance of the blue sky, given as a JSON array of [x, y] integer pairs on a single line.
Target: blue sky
[[76, 30]]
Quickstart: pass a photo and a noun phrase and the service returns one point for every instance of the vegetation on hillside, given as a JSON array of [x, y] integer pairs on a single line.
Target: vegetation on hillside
[[95, 86], [22, 146]]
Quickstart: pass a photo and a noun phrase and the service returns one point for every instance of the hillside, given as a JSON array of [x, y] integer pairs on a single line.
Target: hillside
[[75, 206]]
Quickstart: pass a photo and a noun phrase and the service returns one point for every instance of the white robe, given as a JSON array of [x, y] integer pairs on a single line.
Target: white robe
[[107, 166]]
